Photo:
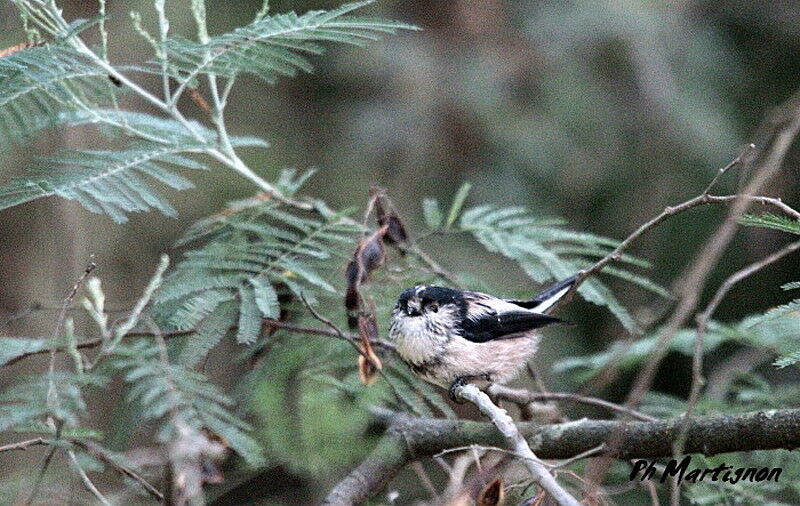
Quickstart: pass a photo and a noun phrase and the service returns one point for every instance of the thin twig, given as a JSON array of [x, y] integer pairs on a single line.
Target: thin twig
[[357, 347], [773, 201], [101, 454], [472, 448], [60, 321], [430, 263], [720, 378], [86, 481], [588, 453], [52, 392], [736, 161], [419, 469], [701, 199], [23, 445], [693, 283], [506, 426], [40, 476], [521, 397], [21, 314], [95, 451], [702, 324], [289, 327], [336, 329]]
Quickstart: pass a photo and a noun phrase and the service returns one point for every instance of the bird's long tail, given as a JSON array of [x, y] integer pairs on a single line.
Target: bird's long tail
[[543, 302]]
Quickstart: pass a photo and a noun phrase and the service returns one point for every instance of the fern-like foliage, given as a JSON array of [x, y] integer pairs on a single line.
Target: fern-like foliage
[[275, 45], [782, 223], [39, 84], [254, 250], [776, 330], [794, 285], [545, 250], [173, 393], [118, 182], [24, 405], [107, 182]]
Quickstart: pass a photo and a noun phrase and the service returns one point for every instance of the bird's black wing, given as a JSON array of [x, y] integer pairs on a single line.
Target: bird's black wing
[[506, 325]]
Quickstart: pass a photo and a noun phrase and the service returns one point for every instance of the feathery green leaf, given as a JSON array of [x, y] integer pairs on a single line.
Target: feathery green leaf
[[40, 87], [276, 45], [545, 252], [782, 223], [109, 182], [171, 392]]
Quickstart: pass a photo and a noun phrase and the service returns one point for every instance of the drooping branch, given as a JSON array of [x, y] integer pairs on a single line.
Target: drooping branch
[[407, 439]]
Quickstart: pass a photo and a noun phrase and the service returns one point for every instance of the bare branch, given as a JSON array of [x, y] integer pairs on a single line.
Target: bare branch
[[693, 283], [86, 481], [289, 327], [702, 323], [668, 212], [23, 445]]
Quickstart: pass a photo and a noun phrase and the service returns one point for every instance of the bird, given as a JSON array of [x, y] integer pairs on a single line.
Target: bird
[[450, 337]]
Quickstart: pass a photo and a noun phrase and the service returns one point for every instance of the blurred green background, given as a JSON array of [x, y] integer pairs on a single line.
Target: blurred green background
[[599, 112]]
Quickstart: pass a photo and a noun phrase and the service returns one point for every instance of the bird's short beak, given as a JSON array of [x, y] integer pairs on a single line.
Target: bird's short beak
[[411, 311]]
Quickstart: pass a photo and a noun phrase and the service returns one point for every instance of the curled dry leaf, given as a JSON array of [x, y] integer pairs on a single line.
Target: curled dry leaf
[[367, 372], [369, 365], [388, 217], [369, 255]]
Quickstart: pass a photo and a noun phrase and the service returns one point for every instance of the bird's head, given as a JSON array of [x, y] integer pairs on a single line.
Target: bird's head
[[422, 300], [425, 308]]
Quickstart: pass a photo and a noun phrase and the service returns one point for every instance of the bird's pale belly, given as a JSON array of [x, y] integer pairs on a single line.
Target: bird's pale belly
[[493, 361]]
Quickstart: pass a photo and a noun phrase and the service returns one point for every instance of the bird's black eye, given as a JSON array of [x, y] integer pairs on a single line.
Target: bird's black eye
[[433, 306]]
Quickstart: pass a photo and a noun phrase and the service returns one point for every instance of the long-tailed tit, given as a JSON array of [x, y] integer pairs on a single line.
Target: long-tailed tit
[[449, 337]]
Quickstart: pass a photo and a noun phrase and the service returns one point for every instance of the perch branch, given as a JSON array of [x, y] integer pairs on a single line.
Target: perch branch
[[407, 439]]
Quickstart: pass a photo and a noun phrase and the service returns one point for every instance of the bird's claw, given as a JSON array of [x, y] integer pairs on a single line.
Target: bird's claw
[[453, 391], [460, 382]]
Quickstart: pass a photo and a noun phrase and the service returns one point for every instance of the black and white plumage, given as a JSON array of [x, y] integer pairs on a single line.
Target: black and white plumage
[[450, 336]]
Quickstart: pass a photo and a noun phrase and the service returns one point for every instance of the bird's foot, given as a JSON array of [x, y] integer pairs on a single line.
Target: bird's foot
[[460, 382]]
